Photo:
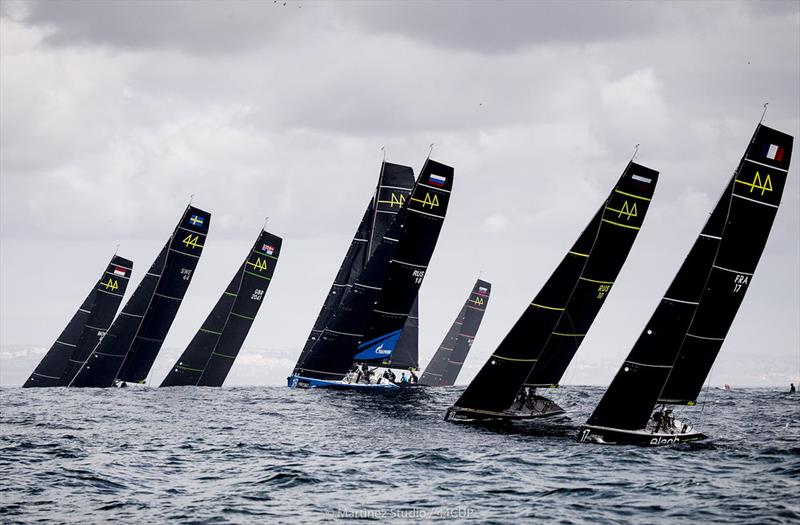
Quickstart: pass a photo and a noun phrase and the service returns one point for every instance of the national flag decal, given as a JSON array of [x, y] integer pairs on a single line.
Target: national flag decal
[[773, 152], [481, 289], [120, 272], [646, 180], [196, 220], [437, 180], [268, 249]]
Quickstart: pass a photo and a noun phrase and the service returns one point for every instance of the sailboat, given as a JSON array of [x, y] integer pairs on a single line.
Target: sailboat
[[127, 351], [552, 327], [211, 353], [446, 363], [85, 329], [366, 326], [394, 186], [674, 354]]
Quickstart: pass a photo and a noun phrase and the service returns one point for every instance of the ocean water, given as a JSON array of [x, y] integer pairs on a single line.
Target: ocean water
[[273, 455]]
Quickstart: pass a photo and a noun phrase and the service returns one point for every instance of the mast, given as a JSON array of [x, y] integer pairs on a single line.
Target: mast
[[561, 314], [446, 363], [673, 355], [85, 328], [209, 357], [130, 346], [368, 323]]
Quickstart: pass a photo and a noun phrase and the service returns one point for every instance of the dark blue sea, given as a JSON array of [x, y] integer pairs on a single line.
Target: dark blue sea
[[274, 455]]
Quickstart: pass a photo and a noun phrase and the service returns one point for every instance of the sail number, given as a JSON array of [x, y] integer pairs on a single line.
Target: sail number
[[186, 274], [258, 294], [739, 281], [192, 241], [602, 290], [417, 275]]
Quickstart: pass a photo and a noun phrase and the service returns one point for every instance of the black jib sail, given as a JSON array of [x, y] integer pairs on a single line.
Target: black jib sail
[[559, 317], [129, 348], [446, 363], [675, 352], [368, 323], [85, 328], [211, 353], [394, 186]]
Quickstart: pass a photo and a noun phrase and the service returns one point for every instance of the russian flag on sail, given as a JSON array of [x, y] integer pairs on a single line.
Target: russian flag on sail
[[120, 272], [437, 180], [773, 152]]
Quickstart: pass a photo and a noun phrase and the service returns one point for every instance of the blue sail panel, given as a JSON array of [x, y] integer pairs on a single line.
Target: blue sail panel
[[378, 348]]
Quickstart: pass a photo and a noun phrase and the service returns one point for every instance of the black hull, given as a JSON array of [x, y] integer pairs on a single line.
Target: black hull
[[616, 436], [541, 407]]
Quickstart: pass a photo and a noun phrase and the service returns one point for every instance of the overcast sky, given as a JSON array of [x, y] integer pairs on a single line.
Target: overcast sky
[[112, 114]]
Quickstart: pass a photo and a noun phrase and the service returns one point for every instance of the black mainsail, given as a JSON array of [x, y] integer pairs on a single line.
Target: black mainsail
[[211, 353], [446, 363], [394, 186], [674, 354], [368, 323], [555, 323], [130, 346], [85, 329]]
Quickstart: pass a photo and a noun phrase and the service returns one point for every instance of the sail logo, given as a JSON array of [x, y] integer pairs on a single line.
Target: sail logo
[[260, 265], [433, 202], [192, 241], [664, 441], [627, 210], [478, 301], [111, 284], [758, 183], [383, 351]]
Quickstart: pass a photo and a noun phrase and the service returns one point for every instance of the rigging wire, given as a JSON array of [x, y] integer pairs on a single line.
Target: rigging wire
[[763, 114]]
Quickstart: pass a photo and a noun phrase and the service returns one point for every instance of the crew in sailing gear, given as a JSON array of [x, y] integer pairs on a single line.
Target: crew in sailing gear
[[522, 397], [657, 419], [403, 378], [366, 372], [389, 375], [413, 379], [792, 389]]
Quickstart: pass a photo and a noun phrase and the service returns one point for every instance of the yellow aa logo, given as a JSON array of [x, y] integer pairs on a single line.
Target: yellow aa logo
[[397, 199], [192, 241], [478, 301], [111, 284], [433, 202], [260, 264], [628, 211], [757, 184]]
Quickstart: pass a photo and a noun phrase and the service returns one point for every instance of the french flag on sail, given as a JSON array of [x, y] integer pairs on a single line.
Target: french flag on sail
[[773, 152], [437, 180], [120, 272]]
